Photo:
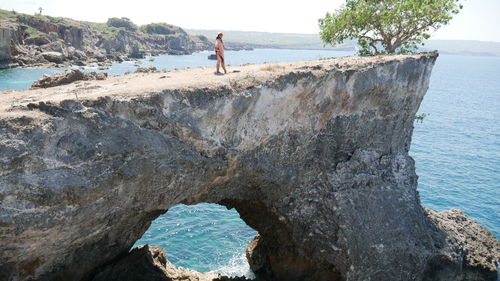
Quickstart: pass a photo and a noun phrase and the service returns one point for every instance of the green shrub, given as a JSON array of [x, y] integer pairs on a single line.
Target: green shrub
[[33, 32], [7, 15], [387, 26], [23, 18], [122, 23], [159, 28]]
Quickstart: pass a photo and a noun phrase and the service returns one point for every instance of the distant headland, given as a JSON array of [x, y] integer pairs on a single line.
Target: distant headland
[[256, 39]]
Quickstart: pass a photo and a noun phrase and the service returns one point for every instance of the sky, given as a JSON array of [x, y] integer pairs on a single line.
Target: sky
[[479, 20]]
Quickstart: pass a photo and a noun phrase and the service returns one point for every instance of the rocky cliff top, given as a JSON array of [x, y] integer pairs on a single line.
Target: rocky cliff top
[[239, 77]]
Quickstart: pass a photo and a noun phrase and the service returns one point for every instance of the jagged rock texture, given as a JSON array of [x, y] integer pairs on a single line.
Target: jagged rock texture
[[67, 77], [316, 160], [150, 263]]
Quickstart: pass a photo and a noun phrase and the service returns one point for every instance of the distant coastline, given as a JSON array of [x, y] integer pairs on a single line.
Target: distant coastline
[[313, 42], [45, 41]]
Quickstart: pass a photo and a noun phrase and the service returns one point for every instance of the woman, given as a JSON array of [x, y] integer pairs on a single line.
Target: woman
[[219, 51]]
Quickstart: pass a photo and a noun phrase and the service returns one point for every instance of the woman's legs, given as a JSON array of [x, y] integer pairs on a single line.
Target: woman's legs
[[218, 63], [224, 66]]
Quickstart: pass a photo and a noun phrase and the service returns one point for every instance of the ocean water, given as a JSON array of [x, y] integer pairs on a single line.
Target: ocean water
[[204, 237], [22, 78], [457, 146], [456, 149]]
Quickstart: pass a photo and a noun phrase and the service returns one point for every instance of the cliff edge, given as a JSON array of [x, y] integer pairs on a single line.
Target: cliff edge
[[313, 155]]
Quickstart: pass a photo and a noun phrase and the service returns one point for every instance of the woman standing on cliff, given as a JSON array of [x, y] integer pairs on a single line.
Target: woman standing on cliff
[[219, 51]]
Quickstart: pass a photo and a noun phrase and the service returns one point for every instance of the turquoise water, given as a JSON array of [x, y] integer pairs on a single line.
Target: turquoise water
[[456, 148], [204, 237], [22, 78]]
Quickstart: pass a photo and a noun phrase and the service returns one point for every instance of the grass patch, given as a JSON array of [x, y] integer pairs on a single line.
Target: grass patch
[[4, 14], [105, 30], [33, 32]]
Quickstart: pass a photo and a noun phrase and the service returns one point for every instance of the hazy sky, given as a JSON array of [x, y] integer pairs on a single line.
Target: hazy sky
[[479, 20]]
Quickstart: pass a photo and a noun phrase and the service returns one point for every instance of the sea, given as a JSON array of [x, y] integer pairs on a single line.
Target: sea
[[456, 148]]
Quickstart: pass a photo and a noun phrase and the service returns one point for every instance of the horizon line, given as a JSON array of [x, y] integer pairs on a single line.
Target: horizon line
[[234, 30]]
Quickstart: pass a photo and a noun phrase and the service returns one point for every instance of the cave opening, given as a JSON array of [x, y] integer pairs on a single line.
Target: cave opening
[[205, 237]]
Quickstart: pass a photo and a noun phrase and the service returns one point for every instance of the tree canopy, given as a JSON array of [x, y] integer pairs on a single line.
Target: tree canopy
[[159, 28], [387, 26], [122, 22]]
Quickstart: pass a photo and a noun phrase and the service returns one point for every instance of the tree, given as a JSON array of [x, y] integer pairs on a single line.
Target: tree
[[387, 26], [41, 10], [122, 23], [159, 28]]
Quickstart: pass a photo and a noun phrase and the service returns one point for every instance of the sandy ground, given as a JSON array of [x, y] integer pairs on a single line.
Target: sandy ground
[[13, 103]]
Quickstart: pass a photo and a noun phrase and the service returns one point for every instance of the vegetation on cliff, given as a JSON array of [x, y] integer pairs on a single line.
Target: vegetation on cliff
[[161, 28], [387, 27], [122, 23]]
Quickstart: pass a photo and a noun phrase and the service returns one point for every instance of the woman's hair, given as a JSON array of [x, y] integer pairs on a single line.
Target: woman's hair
[[219, 36]]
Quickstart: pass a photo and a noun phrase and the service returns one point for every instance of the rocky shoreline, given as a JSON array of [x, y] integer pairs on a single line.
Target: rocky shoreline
[[44, 41], [150, 263]]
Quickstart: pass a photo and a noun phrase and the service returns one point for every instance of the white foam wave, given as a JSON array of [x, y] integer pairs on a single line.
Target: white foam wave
[[237, 266]]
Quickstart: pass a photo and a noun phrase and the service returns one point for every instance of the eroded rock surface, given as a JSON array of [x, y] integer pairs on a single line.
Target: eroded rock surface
[[313, 155], [469, 247], [149, 69], [66, 77]]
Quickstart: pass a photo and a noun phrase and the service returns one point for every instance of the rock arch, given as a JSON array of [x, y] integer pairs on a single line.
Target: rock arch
[[313, 155]]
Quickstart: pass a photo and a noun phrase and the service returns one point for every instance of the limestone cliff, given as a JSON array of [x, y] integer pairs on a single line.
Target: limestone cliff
[[313, 155], [5, 39]]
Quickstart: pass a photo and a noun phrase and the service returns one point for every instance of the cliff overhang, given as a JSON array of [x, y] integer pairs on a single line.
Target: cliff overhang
[[313, 155]]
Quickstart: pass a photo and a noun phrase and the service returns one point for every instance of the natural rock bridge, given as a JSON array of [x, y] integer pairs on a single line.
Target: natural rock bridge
[[313, 155]]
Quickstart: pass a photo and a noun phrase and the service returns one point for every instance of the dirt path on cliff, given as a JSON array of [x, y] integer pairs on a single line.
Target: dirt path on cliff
[[13, 103]]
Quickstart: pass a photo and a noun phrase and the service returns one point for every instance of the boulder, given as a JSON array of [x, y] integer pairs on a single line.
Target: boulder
[[150, 69], [149, 263], [67, 77], [474, 250], [257, 258], [37, 40], [55, 57]]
